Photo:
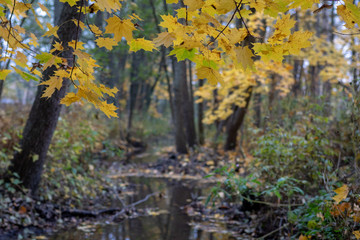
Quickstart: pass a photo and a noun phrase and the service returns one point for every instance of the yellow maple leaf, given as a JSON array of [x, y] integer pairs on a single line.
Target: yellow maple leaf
[[70, 2], [141, 43], [210, 74], [172, 1], [109, 91], [244, 57], [52, 31], [57, 47], [135, 17], [282, 29], [341, 193], [164, 38], [108, 109], [235, 35], [80, 23], [184, 13], [357, 234], [268, 52], [19, 29], [21, 59], [169, 22], [95, 29], [53, 83], [4, 73], [120, 28], [349, 13], [19, 9], [108, 43], [34, 40], [224, 6], [109, 5], [304, 4], [194, 4], [297, 41], [78, 44], [70, 98], [302, 237]]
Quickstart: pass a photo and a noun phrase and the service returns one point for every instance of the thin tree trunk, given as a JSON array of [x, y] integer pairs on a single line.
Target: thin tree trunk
[[137, 57], [200, 117], [163, 56], [180, 77], [235, 123], [29, 161], [1, 87], [272, 96], [257, 108], [188, 114]]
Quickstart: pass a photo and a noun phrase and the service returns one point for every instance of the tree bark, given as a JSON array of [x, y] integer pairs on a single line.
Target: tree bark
[[134, 86], [200, 117], [178, 88], [235, 122], [29, 161], [188, 112], [1, 87]]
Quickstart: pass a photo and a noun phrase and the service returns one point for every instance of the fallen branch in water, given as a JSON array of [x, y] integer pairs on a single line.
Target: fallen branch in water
[[87, 213], [128, 207], [272, 232], [117, 211]]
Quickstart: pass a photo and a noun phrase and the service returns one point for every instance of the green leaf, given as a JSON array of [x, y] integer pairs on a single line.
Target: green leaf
[[26, 76], [182, 53], [44, 57]]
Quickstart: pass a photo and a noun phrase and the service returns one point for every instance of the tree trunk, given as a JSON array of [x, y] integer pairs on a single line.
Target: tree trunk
[[188, 112], [314, 85], [272, 94], [257, 108], [297, 73], [179, 78], [29, 161], [235, 122], [137, 57], [200, 117], [1, 87]]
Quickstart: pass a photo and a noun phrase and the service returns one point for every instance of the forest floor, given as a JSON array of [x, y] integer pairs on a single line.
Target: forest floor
[[25, 216]]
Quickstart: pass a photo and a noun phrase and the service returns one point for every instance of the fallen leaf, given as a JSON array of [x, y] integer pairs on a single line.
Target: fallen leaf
[[341, 193]]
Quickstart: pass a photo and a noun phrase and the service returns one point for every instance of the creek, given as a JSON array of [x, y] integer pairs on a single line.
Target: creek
[[162, 217]]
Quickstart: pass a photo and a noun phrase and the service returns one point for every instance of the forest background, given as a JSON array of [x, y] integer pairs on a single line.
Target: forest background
[[284, 74]]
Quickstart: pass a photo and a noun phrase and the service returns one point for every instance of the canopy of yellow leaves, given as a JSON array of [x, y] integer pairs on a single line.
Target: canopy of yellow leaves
[[222, 54]]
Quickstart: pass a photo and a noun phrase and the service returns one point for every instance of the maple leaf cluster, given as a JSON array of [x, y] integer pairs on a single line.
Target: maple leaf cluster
[[196, 31]]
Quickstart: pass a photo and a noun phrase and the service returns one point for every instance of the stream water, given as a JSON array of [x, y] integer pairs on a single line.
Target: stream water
[[165, 220]]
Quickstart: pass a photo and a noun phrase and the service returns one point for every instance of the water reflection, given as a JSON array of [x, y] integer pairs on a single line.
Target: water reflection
[[173, 225]]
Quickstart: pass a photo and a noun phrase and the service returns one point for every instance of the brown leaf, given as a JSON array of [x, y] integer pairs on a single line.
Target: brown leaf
[[22, 210]]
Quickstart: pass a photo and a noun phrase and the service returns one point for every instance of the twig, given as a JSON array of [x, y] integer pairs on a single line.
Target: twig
[[143, 200], [242, 20], [346, 34], [270, 233], [271, 204], [118, 198], [232, 17]]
